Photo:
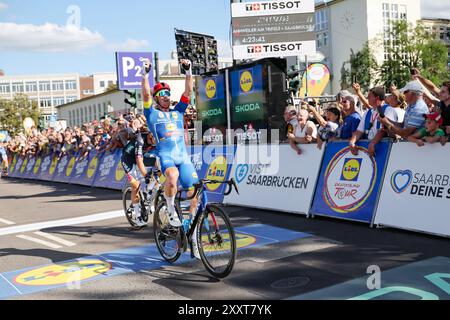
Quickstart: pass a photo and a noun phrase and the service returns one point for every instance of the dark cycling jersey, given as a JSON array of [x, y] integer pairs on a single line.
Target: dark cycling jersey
[[138, 147]]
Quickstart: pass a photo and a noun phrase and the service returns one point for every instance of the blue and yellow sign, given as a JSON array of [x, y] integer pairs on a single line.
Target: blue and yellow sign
[[211, 89], [65, 273], [217, 171], [351, 169]]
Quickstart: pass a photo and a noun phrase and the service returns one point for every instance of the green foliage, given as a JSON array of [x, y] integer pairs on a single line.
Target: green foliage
[[362, 67], [12, 113]]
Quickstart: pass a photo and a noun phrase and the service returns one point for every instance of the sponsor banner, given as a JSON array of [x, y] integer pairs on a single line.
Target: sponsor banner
[[29, 168], [20, 167], [349, 185], [416, 192], [110, 173], [275, 177], [60, 171], [66, 174], [213, 162], [266, 8], [12, 165], [85, 169], [44, 170], [130, 69], [318, 79], [272, 50]]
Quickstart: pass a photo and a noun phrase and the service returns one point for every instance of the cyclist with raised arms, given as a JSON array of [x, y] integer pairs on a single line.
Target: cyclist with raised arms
[[137, 155], [167, 127]]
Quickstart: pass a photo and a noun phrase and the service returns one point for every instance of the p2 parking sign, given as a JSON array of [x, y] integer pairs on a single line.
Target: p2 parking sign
[[130, 69]]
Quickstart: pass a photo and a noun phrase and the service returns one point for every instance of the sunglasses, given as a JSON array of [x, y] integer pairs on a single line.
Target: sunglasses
[[163, 93]]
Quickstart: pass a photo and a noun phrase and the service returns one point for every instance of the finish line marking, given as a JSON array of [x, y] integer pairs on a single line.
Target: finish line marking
[[61, 223]]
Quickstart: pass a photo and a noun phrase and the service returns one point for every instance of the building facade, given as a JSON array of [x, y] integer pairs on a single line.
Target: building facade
[[342, 25], [51, 91]]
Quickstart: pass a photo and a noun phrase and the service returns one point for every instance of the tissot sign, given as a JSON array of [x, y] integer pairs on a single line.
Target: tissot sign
[[273, 29]]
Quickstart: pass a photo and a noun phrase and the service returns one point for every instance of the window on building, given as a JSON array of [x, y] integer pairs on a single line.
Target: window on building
[[71, 85], [403, 13], [31, 87], [45, 102], [5, 88], [87, 92], [102, 84], [90, 113], [58, 101], [58, 85], [71, 99], [44, 86], [17, 87]]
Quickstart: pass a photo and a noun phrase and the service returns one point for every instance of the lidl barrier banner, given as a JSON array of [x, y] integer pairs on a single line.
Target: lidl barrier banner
[[110, 173], [85, 169], [47, 163], [348, 185], [66, 175], [29, 168], [275, 177], [20, 167], [213, 162], [12, 165], [416, 190], [60, 169], [37, 168]]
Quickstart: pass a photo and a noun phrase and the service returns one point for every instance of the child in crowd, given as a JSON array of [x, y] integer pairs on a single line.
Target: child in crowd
[[329, 127], [432, 132]]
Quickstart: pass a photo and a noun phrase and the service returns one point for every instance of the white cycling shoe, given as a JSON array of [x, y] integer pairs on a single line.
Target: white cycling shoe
[[140, 223], [174, 220]]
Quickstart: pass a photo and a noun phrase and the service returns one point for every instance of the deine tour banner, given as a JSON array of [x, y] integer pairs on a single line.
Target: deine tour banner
[[349, 185]]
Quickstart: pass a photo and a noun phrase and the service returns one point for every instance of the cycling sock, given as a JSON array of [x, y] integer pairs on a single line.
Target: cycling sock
[[170, 203], [137, 210]]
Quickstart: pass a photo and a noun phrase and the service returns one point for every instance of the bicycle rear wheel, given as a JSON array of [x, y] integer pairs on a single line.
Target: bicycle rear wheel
[[169, 240], [217, 242]]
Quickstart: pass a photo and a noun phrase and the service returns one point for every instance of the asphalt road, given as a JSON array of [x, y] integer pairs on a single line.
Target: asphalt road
[[282, 256]]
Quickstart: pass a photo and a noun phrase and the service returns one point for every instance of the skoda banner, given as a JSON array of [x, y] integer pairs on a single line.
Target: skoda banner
[[275, 177], [107, 174], [349, 185], [416, 191]]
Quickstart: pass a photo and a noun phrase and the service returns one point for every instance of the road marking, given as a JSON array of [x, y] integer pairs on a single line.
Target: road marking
[[56, 239], [12, 285], [4, 221], [43, 242], [61, 223]]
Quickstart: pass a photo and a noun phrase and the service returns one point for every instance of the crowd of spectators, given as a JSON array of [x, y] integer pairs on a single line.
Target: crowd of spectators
[[419, 113]]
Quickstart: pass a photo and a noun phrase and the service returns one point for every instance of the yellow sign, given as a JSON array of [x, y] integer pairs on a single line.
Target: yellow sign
[[37, 166], [246, 81], [70, 167], [66, 273], [211, 89], [53, 166], [242, 241], [351, 169], [217, 171], [92, 167], [120, 173], [171, 126], [13, 164]]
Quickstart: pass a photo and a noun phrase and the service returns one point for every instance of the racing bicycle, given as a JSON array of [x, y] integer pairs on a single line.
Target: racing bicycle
[[213, 230], [149, 198]]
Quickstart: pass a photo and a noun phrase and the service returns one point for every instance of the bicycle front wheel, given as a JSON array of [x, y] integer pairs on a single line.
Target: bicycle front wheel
[[217, 242], [127, 206], [168, 239]]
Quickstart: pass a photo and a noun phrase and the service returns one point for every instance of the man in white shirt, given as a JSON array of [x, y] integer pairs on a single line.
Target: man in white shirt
[[304, 133], [370, 123]]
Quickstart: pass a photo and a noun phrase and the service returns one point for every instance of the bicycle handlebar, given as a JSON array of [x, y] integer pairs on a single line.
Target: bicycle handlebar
[[231, 184]]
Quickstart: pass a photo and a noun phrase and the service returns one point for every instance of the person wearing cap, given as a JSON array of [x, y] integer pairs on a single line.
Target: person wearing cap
[[431, 133], [414, 116]]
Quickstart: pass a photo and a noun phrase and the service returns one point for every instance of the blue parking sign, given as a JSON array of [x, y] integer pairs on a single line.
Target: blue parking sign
[[130, 69]]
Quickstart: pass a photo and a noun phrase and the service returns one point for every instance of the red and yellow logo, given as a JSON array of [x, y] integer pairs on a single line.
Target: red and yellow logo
[[211, 89], [242, 241], [246, 81]]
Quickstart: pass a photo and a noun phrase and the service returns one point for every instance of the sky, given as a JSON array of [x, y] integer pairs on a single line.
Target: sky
[[63, 36]]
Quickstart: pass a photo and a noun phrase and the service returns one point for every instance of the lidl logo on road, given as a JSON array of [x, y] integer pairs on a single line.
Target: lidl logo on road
[[242, 241], [65, 273]]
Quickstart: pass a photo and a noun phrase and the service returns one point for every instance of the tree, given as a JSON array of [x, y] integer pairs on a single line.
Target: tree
[[111, 86], [14, 112], [363, 68], [410, 47]]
